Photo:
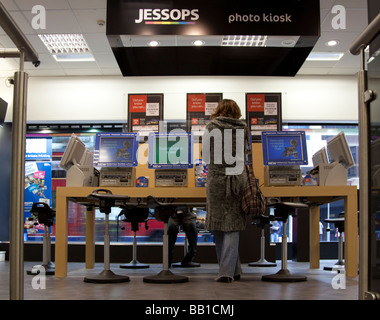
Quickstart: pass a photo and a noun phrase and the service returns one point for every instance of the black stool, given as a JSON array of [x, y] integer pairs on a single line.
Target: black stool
[[282, 212], [135, 215], [339, 224], [46, 216], [162, 213], [261, 222], [107, 200]]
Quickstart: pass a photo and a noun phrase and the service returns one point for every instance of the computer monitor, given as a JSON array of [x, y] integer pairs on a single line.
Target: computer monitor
[[320, 157], [3, 110], [284, 148], [170, 150], [116, 150], [339, 151], [74, 153]]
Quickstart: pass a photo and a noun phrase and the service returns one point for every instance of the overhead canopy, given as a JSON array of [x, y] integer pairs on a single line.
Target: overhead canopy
[[266, 38]]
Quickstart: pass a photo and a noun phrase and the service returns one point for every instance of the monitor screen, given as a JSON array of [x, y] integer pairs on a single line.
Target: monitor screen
[[74, 153], [3, 110], [284, 148], [339, 151], [320, 157], [116, 150], [173, 150], [38, 148]]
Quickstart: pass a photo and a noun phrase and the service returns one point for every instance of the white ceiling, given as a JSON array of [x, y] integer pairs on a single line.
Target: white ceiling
[[81, 16]]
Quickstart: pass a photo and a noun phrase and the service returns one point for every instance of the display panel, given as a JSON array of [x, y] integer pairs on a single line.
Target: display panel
[[38, 148], [339, 151], [116, 149], [284, 148], [320, 157], [171, 150], [3, 110], [74, 153]]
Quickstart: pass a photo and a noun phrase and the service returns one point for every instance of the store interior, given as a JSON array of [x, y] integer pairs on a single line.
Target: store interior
[[318, 96]]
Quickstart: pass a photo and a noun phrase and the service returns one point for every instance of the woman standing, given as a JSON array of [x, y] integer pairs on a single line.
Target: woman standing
[[224, 148]]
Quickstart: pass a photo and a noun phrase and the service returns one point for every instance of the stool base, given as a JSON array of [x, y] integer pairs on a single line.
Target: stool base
[[284, 275], [49, 270], [334, 267], [262, 263], [186, 265], [134, 264], [106, 276], [165, 276]]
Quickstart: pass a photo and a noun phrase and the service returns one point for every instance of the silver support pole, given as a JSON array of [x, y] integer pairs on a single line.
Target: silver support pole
[[165, 248], [16, 246], [364, 178], [107, 244], [284, 262]]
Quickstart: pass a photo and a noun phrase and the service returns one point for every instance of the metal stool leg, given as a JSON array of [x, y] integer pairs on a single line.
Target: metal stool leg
[[106, 276], [340, 262], [262, 262], [46, 255], [165, 276], [190, 264], [134, 264], [284, 274]]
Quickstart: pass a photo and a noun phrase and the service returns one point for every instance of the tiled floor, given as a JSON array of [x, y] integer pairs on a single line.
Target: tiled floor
[[201, 285]]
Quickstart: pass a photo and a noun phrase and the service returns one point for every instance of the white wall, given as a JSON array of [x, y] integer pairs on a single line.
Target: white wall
[[105, 98]]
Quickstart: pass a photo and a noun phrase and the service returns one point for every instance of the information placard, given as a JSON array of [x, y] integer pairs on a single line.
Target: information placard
[[145, 111], [263, 113], [200, 106]]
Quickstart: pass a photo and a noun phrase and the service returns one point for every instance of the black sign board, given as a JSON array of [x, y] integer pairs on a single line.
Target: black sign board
[[213, 17]]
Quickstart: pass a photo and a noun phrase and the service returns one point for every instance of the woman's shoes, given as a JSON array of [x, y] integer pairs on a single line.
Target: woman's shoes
[[228, 279], [225, 279]]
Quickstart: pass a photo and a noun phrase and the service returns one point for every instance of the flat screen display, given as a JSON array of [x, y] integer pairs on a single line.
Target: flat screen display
[[284, 148], [170, 150], [3, 110], [116, 150]]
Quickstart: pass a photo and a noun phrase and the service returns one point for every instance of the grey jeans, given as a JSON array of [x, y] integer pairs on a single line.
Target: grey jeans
[[227, 252]]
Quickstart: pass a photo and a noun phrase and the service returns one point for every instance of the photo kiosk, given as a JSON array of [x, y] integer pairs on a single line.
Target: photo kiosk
[[77, 161], [335, 172], [170, 155], [283, 154], [117, 156]]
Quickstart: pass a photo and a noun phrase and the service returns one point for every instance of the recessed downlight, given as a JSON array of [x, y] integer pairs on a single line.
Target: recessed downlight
[[154, 43], [332, 43], [198, 43]]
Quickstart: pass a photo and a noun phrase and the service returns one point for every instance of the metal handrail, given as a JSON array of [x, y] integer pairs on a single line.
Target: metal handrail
[[17, 36], [366, 37]]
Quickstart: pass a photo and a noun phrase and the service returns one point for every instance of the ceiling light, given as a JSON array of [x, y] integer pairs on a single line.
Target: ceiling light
[[198, 43], [154, 43], [325, 56], [244, 41], [332, 43], [67, 47]]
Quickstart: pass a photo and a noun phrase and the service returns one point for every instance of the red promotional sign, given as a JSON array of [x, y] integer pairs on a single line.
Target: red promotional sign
[[196, 102], [137, 103], [255, 102]]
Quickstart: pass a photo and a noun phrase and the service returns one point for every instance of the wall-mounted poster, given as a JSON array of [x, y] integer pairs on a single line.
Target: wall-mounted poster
[[263, 113], [145, 111], [200, 107]]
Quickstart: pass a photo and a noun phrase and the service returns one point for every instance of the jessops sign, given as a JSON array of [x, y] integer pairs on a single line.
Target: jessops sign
[[213, 17]]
